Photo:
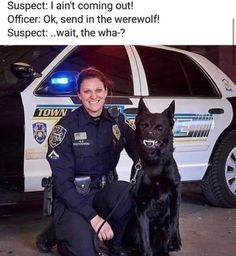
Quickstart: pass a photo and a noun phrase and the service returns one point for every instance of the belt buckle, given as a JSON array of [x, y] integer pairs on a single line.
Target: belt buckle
[[103, 181], [110, 177]]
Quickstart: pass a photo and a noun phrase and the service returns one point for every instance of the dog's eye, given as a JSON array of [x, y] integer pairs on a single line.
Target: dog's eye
[[144, 125], [159, 128]]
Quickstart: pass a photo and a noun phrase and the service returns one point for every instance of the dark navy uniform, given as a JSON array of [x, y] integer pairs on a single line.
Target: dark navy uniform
[[80, 145]]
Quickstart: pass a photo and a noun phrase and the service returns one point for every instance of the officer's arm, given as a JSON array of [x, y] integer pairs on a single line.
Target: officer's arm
[[61, 159], [128, 130]]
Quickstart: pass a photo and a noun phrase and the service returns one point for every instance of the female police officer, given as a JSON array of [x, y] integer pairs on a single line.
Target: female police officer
[[84, 149]]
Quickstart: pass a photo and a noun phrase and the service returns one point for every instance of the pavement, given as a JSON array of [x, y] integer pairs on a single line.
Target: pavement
[[205, 230]]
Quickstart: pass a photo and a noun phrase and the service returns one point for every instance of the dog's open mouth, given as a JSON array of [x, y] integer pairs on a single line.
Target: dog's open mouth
[[152, 143]]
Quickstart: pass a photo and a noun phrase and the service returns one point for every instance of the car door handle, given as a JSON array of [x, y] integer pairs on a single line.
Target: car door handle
[[216, 111], [131, 111]]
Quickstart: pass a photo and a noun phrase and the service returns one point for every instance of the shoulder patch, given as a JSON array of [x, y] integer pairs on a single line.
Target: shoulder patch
[[57, 136], [130, 123]]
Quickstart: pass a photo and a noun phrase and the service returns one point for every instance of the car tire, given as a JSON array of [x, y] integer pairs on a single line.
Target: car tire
[[219, 183]]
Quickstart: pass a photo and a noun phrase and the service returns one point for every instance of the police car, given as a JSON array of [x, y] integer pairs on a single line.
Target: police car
[[38, 87]]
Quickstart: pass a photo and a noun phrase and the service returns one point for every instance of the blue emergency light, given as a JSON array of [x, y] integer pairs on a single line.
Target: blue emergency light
[[59, 80], [63, 82]]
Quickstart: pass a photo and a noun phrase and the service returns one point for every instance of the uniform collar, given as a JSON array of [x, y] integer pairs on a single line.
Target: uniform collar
[[85, 118]]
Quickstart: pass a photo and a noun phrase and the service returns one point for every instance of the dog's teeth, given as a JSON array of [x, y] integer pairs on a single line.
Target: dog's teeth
[[151, 143]]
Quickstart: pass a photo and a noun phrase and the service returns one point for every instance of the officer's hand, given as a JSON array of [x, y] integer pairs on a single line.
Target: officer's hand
[[106, 232]]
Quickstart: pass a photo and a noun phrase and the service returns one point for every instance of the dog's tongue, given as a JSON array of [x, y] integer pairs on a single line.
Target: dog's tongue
[[151, 143]]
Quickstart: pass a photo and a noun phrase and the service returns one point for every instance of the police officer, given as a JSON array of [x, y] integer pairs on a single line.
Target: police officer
[[84, 149]]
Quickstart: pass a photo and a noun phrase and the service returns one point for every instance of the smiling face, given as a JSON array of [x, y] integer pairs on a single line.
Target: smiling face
[[93, 95]]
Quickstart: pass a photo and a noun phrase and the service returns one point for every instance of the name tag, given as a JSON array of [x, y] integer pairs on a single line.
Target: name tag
[[80, 136]]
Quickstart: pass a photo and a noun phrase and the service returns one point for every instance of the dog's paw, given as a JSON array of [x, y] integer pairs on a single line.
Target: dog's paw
[[174, 245]]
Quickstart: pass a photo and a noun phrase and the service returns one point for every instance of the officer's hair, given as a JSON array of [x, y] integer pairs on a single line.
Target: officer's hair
[[92, 72]]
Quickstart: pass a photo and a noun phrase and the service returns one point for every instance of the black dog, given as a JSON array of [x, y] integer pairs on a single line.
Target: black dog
[[154, 228]]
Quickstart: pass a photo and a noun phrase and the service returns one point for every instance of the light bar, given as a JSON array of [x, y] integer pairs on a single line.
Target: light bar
[[61, 80]]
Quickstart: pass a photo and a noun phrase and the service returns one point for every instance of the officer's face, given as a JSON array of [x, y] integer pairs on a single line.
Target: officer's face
[[93, 94]]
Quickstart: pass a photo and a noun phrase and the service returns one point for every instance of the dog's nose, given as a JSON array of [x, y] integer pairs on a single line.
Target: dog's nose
[[152, 134]]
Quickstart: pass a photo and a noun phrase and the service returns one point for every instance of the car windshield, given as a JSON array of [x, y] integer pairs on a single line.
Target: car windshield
[[37, 56]]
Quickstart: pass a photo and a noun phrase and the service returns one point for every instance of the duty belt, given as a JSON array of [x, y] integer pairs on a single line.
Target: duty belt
[[84, 183], [102, 181]]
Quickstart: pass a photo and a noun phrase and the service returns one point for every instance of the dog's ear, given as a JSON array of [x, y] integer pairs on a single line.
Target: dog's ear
[[170, 113], [142, 108]]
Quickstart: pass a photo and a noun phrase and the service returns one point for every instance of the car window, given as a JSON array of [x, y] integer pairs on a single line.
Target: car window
[[199, 82], [112, 60], [171, 73], [37, 56]]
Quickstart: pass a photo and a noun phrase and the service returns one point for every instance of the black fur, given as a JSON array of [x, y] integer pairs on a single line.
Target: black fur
[[154, 228]]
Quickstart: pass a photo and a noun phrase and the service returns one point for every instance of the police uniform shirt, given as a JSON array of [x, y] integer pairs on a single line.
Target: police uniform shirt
[[82, 145]]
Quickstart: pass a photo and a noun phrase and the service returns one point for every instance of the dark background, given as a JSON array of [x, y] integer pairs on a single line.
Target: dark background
[[223, 56]]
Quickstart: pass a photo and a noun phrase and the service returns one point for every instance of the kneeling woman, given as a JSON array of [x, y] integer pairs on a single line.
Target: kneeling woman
[[84, 149]]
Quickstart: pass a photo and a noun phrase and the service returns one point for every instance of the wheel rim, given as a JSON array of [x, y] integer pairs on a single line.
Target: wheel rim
[[230, 171]]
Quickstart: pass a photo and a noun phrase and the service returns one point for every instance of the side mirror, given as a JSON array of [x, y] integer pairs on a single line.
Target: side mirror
[[60, 83], [23, 70]]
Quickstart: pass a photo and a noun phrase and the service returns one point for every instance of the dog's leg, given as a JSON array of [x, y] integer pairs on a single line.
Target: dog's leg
[[144, 234], [175, 240]]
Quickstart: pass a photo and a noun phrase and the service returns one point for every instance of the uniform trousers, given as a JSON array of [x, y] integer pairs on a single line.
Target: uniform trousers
[[76, 233]]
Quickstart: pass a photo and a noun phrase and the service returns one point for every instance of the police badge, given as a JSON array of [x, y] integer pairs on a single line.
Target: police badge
[[57, 136], [116, 131], [39, 131]]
